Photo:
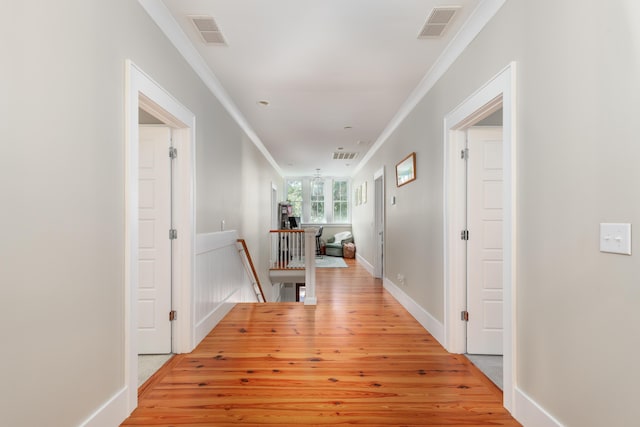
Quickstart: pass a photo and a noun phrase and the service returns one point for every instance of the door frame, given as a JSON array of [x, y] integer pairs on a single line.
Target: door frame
[[143, 92], [378, 262], [499, 91], [273, 249]]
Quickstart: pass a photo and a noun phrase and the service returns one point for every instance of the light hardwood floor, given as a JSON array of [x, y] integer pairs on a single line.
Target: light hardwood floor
[[357, 358]]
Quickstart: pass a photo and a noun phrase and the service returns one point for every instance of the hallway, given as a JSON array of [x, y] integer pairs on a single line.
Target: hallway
[[358, 358]]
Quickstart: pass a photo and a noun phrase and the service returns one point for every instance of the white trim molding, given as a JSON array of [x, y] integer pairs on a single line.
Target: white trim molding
[[111, 413], [530, 413], [366, 264], [142, 91], [430, 323], [379, 223], [499, 91], [163, 18], [471, 28]]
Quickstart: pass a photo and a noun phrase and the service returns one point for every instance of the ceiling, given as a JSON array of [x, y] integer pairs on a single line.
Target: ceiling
[[335, 73]]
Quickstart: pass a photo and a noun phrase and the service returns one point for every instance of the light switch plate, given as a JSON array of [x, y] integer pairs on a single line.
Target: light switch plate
[[615, 238]]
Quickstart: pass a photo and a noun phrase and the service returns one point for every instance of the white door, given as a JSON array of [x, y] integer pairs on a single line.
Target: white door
[[154, 265], [379, 226], [484, 248]]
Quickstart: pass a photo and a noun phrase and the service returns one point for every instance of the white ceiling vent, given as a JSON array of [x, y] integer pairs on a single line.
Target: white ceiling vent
[[343, 155], [438, 21], [208, 30]]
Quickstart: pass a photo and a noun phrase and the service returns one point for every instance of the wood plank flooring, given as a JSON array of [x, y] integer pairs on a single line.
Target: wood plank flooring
[[357, 358]]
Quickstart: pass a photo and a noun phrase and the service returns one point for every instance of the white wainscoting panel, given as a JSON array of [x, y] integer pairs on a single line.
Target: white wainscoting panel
[[221, 280]]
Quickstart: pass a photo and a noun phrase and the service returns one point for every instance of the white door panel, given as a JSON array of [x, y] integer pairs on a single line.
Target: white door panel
[[484, 248], [154, 248], [378, 266]]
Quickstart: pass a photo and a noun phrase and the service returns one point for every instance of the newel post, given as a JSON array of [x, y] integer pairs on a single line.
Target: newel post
[[310, 266]]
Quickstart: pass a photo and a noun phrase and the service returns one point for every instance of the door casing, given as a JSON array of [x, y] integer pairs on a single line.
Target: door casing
[[499, 91], [143, 92]]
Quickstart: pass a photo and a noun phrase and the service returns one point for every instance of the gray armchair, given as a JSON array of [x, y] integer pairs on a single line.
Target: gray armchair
[[334, 244]]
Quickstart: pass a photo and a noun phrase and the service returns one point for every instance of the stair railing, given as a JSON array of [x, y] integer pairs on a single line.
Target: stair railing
[[251, 270]]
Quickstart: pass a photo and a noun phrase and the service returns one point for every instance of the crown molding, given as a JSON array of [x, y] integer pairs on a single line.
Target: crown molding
[[471, 28], [170, 27]]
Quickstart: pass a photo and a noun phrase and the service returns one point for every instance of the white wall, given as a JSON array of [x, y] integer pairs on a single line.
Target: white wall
[[62, 184], [578, 101]]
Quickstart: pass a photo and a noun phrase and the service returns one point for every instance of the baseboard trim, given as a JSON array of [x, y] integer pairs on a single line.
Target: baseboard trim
[[157, 377], [365, 263], [430, 323], [208, 323], [529, 413], [111, 413]]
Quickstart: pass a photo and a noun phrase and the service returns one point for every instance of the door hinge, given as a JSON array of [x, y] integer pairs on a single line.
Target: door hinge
[[464, 154], [464, 235], [173, 234], [173, 153], [464, 315], [173, 315]]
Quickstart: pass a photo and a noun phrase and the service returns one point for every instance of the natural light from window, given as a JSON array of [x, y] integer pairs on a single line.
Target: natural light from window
[[319, 200]]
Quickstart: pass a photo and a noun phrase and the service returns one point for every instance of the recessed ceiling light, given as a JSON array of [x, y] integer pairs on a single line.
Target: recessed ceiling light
[[340, 148], [264, 103], [348, 127]]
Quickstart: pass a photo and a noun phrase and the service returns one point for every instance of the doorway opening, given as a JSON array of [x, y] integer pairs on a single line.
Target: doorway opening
[[378, 195], [480, 280], [484, 219], [143, 96]]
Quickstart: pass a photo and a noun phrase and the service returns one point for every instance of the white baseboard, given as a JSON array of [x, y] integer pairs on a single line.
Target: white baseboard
[[111, 413], [208, 323], [529, 413], [365, 263], [430, 323]]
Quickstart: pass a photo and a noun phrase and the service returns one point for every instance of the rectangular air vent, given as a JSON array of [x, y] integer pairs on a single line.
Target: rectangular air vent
[[438, 21], [208, 30], [343, 155]]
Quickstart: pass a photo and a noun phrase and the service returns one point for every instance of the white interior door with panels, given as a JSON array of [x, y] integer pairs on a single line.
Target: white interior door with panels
[[154, 259], [484, 245], [378, 265]]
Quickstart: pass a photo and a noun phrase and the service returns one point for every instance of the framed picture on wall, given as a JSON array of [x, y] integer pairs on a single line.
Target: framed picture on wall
[[406, 170]]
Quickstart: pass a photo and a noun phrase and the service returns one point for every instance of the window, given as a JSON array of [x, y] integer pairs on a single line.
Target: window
[[294, 196], [340, 201], [319, 201]]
